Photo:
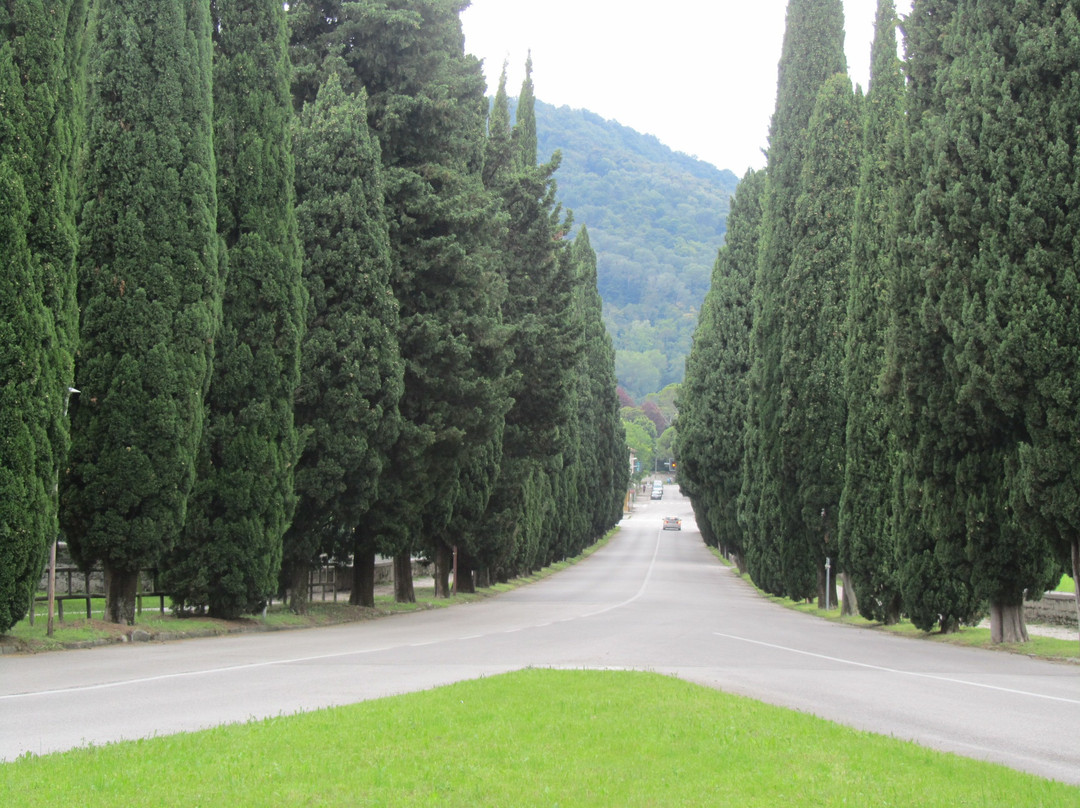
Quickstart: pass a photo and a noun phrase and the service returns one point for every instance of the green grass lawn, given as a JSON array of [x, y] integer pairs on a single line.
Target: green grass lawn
[[1066, 585], [531, 738]]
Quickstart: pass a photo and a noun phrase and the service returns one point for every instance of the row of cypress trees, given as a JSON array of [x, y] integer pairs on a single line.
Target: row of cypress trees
[[325, 306], [885, 370]]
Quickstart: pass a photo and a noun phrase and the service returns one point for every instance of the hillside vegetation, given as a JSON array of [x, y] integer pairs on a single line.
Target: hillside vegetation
[[656, 219]]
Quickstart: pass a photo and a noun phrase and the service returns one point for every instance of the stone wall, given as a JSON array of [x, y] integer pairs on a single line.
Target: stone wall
[[1055, 608]]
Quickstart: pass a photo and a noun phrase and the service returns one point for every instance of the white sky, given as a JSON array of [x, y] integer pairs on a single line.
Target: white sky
[[698, 74]]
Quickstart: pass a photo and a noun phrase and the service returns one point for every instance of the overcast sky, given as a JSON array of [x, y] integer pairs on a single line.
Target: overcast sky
[[698, 74]]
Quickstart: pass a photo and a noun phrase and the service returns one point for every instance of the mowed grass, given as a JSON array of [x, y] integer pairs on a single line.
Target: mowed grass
[[531, 738]]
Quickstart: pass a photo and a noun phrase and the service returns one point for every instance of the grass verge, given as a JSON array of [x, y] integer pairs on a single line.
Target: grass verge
[[80, 632], [1050, 648], [531, 738]]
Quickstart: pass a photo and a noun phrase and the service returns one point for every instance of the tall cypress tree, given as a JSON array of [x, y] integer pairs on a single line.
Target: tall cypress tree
[[604, 458], [149, 288], [1038, 358], [929, 526], [40, 47], [867, 545], [713, 398], [230, 553], [813, 51], [995, 241], [428, 110], [814, 305], [351, 375], [537, 311]]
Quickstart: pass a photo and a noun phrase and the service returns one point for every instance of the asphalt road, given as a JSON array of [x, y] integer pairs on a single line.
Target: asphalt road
[[650, 600]]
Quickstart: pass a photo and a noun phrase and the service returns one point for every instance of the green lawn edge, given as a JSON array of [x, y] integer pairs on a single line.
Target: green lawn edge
[[1038, 647], [536, 737], [76, 633]]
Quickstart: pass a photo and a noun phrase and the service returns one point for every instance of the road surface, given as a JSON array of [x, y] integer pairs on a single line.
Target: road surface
[[650, 600]]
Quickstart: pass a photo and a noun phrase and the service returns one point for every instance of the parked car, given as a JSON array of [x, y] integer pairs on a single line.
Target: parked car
[[672, 523]]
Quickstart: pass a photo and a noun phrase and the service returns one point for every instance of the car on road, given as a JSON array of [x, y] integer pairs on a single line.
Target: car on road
[[672, 523], [657, 493]]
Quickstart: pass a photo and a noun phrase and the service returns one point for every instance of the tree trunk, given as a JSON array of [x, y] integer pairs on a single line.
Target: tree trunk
[[850, 606], [1007, 622], [483, 578], [403, 583], [298, 589], [893, 611], [463, 577], [740, 562], [822, 575], [443, 560], [363, 583], [121, 586]]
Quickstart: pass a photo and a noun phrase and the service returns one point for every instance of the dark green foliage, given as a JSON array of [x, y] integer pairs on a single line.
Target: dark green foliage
[[351, 373], [867, 545], [655, 218], [428, 110], [1039, 354], [40, 46], [230, 553], [603, 456], [149, 287], [995, 231], [813, 52], [813, 308], [936, 575], [713, 398], [545, 339]]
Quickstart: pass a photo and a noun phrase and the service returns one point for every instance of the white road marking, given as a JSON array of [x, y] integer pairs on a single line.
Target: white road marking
[[935, 677], [319, 657]]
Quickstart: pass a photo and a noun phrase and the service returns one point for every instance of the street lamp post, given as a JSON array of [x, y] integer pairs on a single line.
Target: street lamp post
[[827, 582], [52, 547]]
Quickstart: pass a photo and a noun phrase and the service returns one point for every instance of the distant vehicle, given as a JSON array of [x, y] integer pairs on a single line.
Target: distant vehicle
[[657, 492], [672, 523]]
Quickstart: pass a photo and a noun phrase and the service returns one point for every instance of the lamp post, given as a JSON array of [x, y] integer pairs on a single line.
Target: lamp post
[[827, 582], [52, 547]]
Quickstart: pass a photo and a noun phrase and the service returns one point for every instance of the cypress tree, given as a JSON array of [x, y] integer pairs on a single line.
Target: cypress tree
[[149, 288], [813, 308], [813, 51], [40, 47], [867, 545], [351, 373], [929, 526], [713, 397], [997, 240], [1039, 355], [230, 553], [537, 311], [428, 110], [604, 458]]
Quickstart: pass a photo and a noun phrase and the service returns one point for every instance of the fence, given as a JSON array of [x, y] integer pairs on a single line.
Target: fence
[[93, 588]]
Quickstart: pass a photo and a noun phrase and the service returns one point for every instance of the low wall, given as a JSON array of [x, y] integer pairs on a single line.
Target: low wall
[[1055, 608]]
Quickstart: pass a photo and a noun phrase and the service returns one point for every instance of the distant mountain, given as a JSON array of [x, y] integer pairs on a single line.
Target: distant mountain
[[656, 218]]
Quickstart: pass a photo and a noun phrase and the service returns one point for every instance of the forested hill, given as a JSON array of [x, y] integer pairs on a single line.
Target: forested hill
[[656, 219]]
